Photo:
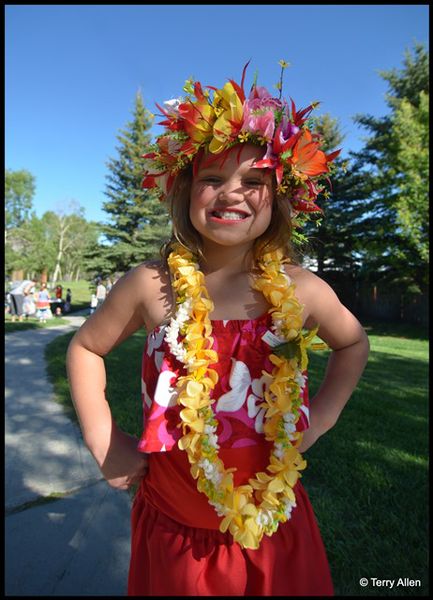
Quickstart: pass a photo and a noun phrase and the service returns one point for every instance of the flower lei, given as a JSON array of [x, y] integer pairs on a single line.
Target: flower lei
[[252, 510]]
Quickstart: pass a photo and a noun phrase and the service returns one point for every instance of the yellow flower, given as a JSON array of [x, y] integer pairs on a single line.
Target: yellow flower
[[238, 505], [249, 534], [228, 107], [283, 64], [188, 441]]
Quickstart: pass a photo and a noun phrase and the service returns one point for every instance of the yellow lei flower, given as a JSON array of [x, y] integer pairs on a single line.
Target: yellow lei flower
[[252, 510]]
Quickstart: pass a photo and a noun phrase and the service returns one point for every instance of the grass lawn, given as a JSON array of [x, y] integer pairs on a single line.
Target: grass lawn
[[366, 478], [31, 323]]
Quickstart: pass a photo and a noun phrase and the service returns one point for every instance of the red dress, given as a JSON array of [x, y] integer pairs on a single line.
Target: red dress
[[176, 546]]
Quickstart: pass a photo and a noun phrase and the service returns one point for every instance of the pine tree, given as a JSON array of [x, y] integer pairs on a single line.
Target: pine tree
[[140, 223], [333, 242], [394, 165]]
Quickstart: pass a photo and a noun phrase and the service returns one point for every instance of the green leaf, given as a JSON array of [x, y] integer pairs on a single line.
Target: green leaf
[[288, 349]]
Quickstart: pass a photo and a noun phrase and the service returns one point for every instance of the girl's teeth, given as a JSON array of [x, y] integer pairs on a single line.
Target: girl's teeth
[[229, 215]]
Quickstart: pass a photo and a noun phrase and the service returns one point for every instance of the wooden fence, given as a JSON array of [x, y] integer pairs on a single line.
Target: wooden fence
[[379, 302]]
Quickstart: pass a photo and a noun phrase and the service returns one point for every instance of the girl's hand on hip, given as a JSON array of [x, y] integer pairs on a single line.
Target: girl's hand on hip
[[123, 464]]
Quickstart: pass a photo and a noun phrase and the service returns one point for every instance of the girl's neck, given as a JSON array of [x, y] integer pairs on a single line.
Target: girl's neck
[[228, 259]]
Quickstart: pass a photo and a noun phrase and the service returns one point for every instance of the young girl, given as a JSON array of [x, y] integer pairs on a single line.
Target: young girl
[[229, 313], [43, 303]]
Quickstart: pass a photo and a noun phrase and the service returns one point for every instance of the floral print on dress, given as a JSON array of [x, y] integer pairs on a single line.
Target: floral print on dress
[[243, 356]]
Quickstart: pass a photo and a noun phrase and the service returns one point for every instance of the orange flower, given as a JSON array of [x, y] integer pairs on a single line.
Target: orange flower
[[307, 160]]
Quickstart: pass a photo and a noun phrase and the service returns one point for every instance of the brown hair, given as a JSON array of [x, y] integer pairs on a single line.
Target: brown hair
[[277, 235]]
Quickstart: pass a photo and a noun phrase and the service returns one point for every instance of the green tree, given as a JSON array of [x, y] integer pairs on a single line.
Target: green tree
[[85, 238], [394, 164], [333, 246], [410, 135], [71, 237], [34, 245], [139, 222], [20, 187], [55, 243]]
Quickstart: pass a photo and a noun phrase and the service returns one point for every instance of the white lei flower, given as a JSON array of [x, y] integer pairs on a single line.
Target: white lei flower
[[211, 471], [264, 517], [173, 329]]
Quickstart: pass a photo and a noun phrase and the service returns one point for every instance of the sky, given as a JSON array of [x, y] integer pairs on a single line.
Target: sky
[[72, 73]]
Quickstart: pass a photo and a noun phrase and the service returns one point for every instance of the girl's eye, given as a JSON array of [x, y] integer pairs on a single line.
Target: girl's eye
[[254, 182], [211, 180]]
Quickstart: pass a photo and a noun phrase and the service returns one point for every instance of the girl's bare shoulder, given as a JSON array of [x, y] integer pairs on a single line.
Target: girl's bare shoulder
[[152, 272], [303, 278], [140, 298], [312, 291], [149, 283]]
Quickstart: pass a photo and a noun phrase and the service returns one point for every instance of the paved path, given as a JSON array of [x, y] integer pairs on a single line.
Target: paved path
[[75, 545]]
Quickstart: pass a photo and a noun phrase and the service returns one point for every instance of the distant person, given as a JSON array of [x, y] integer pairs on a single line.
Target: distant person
[[43, 303], [109, 285], [17, 295], [68, 300], [101, 292], [29, 306], [58, 300], [93, 303]]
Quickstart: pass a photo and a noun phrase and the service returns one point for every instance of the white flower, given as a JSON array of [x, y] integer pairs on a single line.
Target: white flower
[[289, 428], [165, 393], [289, 506], [300, 379], [172, 105], [289, 417], [277, 327], [212, 437], [211, 472], [155, 340], [264, 517], [289, 425], [278, 451], [172, 330], [240, 380], [221, 510], [176, 348], [255, 400]]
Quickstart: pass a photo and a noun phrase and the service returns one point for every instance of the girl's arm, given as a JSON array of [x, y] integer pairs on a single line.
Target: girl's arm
[[122, 313], [349, 345]]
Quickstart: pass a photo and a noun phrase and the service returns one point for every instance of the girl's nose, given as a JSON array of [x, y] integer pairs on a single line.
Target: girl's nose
[[231, 193]]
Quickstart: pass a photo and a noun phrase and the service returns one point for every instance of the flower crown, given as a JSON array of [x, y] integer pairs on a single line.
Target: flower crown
[[213, 123]]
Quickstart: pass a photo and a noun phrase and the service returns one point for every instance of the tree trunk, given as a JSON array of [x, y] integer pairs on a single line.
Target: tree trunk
[[63, 229]]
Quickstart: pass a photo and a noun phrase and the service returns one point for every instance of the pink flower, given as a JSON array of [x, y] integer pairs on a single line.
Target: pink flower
[[259, 113], [259, 122], [260, 97]]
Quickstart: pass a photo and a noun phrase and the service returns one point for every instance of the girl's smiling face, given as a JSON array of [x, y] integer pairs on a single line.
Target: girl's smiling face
[[231, 201]]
